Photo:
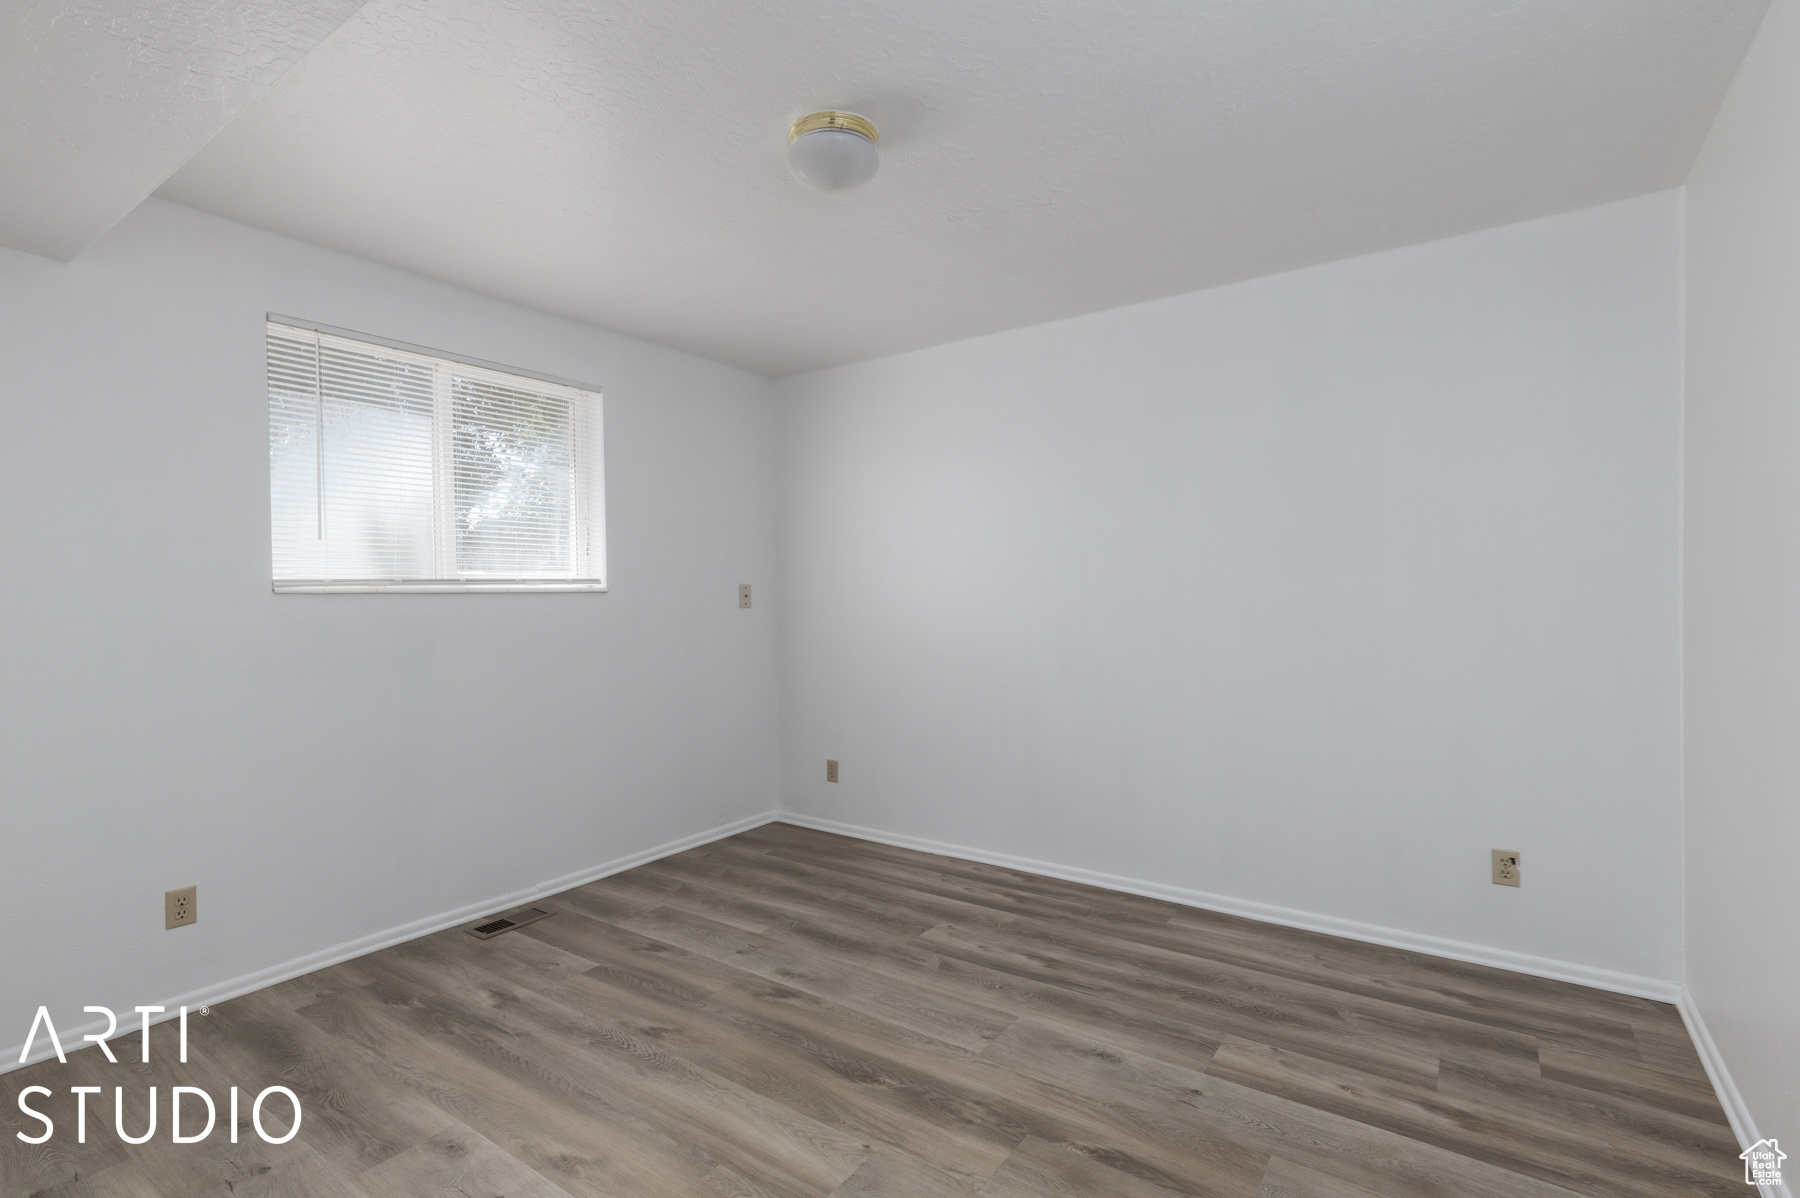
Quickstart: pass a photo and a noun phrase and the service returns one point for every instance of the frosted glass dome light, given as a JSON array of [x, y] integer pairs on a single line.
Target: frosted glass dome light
[[833, 151]]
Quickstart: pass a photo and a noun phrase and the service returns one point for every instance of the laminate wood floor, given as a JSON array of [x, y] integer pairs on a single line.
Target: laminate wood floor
[[788, 1013]]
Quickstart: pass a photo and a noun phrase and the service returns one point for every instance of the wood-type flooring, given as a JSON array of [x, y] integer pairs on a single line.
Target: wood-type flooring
[[790, 1014]]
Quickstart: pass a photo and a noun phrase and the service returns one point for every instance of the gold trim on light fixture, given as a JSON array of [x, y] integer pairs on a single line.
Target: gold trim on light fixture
[[812, 122]]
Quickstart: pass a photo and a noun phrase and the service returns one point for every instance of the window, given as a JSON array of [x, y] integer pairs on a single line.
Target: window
[[391, 469]]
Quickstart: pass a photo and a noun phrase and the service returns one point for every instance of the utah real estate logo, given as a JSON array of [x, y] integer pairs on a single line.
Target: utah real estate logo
[[1762, 1163]]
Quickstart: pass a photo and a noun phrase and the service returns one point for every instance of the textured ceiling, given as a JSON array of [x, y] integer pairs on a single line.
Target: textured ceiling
[[100, 100], [621, 160]]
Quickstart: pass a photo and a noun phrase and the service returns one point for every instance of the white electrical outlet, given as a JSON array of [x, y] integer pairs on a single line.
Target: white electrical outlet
[[1506, 867]]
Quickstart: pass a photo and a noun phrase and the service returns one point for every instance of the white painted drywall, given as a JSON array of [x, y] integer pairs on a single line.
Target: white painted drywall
[[1039, 160], [1743, 577], [326, 767], [104, 101], [1307, 591]]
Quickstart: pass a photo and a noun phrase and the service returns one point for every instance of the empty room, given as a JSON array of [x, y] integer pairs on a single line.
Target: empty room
[[1134, 598]]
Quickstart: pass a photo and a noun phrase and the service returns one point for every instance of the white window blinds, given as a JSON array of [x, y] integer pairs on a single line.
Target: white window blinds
[[392, 470]]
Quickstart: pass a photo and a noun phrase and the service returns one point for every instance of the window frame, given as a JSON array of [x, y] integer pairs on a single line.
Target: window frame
[[588, 515]]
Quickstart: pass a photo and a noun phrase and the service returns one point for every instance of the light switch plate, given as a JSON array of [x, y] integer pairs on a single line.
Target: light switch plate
[[743, 594]]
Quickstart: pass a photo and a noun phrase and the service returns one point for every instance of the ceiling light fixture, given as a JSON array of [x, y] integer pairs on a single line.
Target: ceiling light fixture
[[833, 151]]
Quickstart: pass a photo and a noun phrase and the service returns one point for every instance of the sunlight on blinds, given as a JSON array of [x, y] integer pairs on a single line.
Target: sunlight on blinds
[[392, 470], [513, 478]]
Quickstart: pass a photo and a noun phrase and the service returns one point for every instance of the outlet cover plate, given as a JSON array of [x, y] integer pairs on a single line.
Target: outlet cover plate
[[181, 907], [830, 769], [1506, 867]]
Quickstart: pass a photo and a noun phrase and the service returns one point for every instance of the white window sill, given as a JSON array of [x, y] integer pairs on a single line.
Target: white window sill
[[470, 586]]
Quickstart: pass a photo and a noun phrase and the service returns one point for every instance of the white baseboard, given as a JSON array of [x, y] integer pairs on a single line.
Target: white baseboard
[[363, 945], [1742, 1124], [1456, 950]]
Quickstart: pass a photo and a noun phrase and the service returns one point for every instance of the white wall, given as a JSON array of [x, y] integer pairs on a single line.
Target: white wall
[[1743, 577], [1307, 591], [325, 767]]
